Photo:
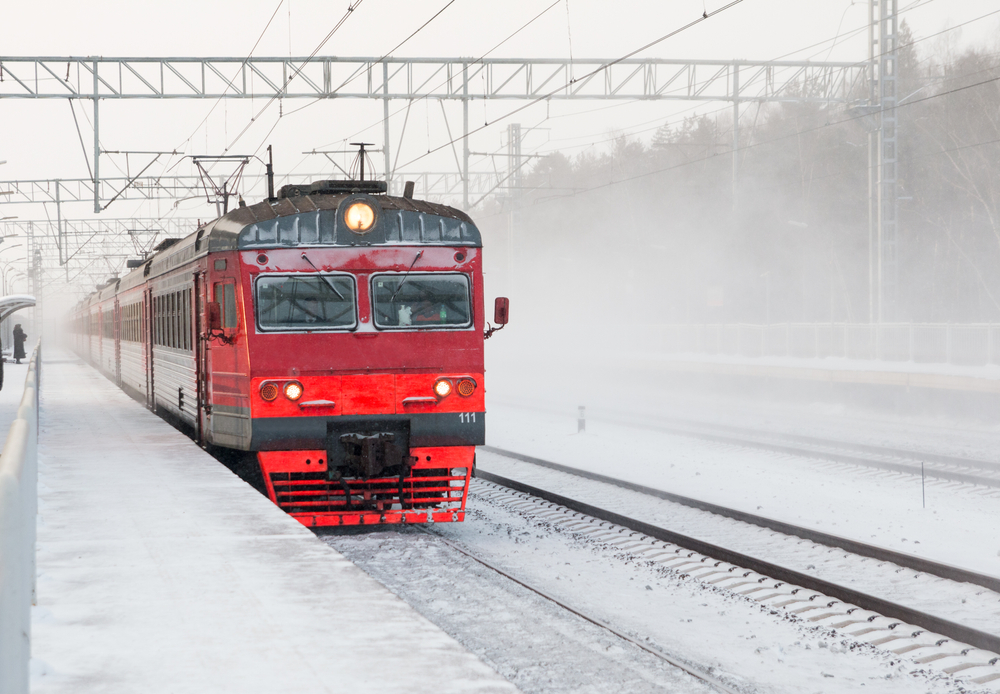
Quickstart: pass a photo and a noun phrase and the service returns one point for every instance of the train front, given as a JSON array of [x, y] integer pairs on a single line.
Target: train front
[[364, 339]]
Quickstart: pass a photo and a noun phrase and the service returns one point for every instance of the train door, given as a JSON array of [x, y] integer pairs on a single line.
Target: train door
[[100, 336], [228, 380], [199, 298], [116, 332], [147, 344]]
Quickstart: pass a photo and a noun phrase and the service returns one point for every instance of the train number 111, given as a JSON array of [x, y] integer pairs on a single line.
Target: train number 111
[[467, 417]]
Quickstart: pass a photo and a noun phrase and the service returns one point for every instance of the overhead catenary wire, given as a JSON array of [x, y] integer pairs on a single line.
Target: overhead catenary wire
[[755, 145], [602, 68], [350, 10], [627, 131], [423, 98], [903, 45], [357, 70], [910, 43]]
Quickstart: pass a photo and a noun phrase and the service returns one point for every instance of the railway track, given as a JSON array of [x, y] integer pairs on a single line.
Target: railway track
[[696, 671], [924, 637], [907, 461]]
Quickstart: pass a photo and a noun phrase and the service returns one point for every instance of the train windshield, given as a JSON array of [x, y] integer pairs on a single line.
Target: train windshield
[[421, 300], [306, 302]]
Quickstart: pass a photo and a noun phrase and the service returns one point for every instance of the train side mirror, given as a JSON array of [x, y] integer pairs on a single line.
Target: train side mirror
[[501, 310], [214, 311]]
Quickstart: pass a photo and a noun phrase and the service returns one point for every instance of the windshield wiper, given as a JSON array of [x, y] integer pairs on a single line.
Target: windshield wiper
[[323, 277], [403, 281]]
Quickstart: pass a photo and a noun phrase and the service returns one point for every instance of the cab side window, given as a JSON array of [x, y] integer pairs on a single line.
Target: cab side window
[[225, 295]]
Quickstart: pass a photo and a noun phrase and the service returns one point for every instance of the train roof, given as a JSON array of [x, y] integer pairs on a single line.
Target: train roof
[[308, 220]]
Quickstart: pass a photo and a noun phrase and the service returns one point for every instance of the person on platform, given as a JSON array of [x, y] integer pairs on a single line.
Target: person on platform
[[19, 337]]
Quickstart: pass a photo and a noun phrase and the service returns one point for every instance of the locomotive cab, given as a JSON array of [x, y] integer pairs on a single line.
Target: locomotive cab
[[363, 334], [334, 331]]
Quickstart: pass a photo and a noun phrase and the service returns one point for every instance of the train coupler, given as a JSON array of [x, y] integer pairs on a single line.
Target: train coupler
[[373, 455]]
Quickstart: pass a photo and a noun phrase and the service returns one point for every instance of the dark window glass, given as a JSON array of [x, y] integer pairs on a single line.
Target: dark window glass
[[421, 301], [225, 295], [177, 320], [229, 307], [306, 302], [186, 319]]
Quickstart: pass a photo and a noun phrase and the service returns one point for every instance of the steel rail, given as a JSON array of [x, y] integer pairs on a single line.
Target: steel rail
[[906, 453], [910, 561], [938, 625], [750, 438], [672, 660]]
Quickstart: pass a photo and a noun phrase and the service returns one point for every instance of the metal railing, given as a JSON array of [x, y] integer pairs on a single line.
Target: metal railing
[[18, 508], [926, 343]]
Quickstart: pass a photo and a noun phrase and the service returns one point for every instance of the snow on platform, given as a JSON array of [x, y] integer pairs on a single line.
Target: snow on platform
[[10, 394], [161, 571]]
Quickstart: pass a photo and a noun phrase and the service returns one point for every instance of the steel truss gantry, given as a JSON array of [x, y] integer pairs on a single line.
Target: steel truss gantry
[[80, 244], [463, 79], [90, 248], [72, 190]]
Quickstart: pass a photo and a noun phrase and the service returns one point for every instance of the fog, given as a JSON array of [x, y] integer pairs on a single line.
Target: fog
[[628, 228]]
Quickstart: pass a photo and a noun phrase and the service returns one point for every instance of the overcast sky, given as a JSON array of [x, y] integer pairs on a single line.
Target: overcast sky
[[39, 139]]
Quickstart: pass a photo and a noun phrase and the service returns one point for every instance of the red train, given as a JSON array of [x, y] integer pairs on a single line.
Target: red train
[[334, 330]]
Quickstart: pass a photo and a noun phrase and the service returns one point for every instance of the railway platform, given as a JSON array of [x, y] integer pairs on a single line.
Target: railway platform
[[159, 570], [10, 393]]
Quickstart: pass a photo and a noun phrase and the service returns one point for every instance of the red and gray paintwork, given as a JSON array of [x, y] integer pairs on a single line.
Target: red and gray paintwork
[[359, 381]]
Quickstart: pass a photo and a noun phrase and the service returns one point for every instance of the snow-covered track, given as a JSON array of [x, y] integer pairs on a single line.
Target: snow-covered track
[[908, 461], [676, 661], [910, 561], [952, 647]]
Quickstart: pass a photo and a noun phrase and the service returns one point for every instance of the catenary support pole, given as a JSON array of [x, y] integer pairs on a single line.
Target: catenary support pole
[[97, 145], [465, 136], [385, 125], [736, 134]]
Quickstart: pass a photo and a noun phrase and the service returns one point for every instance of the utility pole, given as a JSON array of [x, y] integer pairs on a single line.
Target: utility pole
[[883, 210], [465, 136], [97, 145], [385, 130], [513, 191], [736, 136], [513, 195]]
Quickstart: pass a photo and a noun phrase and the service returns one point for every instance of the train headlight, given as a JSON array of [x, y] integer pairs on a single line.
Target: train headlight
[[442, 388], [293, 390], [359, 217], [466, 387], [268, 391]]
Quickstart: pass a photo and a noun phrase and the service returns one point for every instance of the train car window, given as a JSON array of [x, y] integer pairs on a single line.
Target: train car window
[[175, 300], [171, 313], [310, 302], [186, 319], [180, 320], [225, 294], [158, 320], [417, 301]]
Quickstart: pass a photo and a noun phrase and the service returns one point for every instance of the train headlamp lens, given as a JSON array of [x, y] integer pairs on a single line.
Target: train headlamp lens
[[359, 217], [268, 391], [442, 388], [466, 387], [293, 390]]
